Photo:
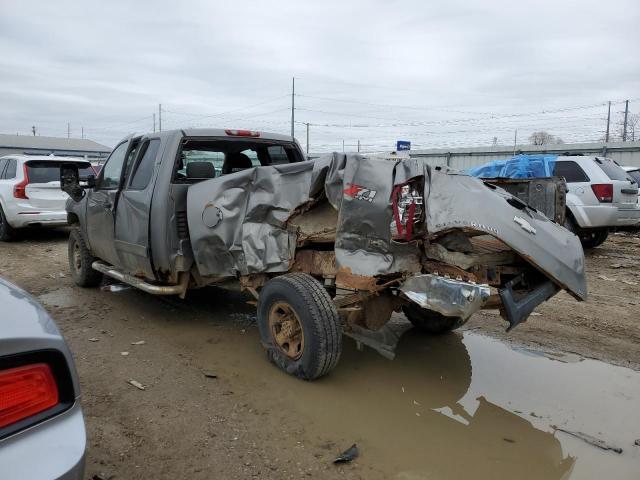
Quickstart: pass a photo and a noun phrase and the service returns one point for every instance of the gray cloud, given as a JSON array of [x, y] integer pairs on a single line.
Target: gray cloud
[[445, 73]]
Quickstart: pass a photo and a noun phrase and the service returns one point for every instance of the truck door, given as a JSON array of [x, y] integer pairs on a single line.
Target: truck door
[[101, 204], [134, 205]]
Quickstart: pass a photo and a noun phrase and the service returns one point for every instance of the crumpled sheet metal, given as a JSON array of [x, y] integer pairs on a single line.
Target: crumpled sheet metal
[[238, 222], [451, 298], [460, 201]]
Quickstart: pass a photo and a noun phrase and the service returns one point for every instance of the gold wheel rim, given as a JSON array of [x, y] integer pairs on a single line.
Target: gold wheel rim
[[286, 330]]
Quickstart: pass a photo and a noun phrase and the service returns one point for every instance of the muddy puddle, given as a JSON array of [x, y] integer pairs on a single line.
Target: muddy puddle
[[453, 406], [460, 405]]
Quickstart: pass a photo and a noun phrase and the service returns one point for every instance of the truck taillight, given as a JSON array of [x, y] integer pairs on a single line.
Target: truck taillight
[[26, 391], [19, 190], [407, 206], [603, 192], [242, 133]]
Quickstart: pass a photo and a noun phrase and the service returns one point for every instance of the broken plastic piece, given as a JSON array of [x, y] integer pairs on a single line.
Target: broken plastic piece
[[348, 455]]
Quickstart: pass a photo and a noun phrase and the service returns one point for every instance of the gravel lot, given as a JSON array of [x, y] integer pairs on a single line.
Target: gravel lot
[[248, 421]]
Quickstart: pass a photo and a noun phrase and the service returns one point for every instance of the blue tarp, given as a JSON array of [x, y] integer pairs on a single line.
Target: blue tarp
[[520, 166]]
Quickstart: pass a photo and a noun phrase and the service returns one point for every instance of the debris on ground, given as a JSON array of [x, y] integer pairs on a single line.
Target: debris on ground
[[139, 342], [93, 339], [124, 354], [608, 279], [596, 442], [637, 442], [137, 384], [210, 375], [629, 282], [348, 455]]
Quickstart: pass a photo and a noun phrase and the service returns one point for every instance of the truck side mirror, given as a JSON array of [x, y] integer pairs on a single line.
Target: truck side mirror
[[70, 181]]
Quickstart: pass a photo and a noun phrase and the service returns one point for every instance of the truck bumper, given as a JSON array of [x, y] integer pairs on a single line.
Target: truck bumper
[[455, 298], [451, 298]]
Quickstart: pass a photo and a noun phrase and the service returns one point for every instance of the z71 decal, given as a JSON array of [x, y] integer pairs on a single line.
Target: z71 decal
[[358, 192]]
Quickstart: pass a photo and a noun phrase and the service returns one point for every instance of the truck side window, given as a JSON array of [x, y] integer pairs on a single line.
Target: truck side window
[[571, 171], [11, 169], [144, 168], [278, 155], [3, 163], [111, 171]]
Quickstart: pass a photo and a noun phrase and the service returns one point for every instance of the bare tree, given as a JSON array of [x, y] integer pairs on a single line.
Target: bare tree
[[633, 126], [544, 138]]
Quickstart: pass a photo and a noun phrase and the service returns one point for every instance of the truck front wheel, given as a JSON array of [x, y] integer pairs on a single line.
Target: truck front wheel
[[429, 321], [299, 326], [80, 260]]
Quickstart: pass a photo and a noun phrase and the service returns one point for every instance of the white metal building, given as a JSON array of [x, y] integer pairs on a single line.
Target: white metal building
[[36, 145]]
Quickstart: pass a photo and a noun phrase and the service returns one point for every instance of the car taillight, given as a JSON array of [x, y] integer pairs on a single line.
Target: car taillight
[[242, 133], [407, 206], [19, 190], [25, 391], [603, 192]]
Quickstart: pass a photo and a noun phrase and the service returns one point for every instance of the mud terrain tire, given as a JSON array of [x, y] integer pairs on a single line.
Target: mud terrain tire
[[429, 321], [80, 260], [297, 306], [7, 233]]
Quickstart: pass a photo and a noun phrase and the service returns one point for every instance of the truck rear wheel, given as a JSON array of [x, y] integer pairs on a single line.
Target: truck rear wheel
[[299, 326], [7, 233], [80, 260], [429, 321]]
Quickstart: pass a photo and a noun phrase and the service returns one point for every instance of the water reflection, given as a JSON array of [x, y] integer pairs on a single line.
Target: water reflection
[[411, 405]]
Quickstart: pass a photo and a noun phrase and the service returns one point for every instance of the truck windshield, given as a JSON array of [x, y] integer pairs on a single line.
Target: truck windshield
[[202, 159]]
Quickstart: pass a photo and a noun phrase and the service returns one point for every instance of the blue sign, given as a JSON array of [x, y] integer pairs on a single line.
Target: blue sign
[[403, 145]]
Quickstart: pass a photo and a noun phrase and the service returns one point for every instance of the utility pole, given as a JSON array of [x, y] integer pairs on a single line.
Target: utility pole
[[606, 137], [159, 117], [293, 105], [358, 145], [515, 141], [154, 123], [82, 132], [626, 115], [68, 130], [33, 129], [343, 146], [307, 124]]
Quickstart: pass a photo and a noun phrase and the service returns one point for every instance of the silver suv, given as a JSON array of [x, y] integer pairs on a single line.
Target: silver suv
[[600, 196]]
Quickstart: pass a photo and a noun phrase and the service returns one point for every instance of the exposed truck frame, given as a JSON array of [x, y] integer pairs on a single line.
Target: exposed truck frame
[[326, 247]]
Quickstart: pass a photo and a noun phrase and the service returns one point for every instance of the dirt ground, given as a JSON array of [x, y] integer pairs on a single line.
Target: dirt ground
[[247, 421]]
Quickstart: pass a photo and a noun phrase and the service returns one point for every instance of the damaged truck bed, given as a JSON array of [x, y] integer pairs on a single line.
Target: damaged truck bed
[[331, 246]]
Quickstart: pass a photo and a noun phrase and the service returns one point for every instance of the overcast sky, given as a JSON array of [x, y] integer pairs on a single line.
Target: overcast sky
[[451, 73]]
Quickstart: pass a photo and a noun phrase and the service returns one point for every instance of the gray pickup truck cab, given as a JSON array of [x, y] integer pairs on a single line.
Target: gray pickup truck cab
[[326, 247]]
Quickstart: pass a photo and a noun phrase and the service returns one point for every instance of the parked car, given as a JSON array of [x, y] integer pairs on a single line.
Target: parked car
[[30, 194], [634, 173], [42, 432], [326, 246], [601, 196]]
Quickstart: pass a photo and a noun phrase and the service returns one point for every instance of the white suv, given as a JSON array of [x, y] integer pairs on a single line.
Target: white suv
[[30, 192], [600, 196]]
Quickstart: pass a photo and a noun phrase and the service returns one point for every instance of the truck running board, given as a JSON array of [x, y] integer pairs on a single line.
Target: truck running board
[[113, 272]]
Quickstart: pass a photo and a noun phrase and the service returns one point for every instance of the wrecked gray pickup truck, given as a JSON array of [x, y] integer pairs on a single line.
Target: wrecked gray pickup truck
[[326, 247]]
